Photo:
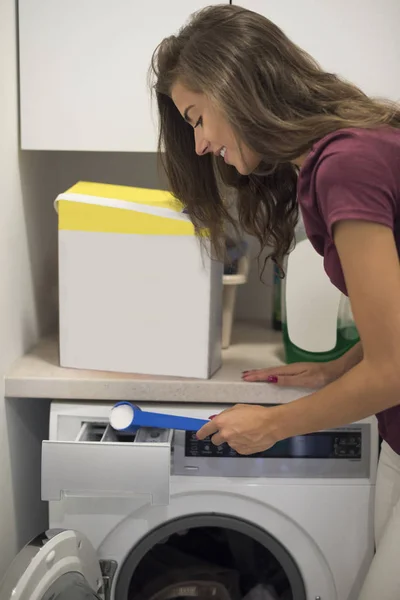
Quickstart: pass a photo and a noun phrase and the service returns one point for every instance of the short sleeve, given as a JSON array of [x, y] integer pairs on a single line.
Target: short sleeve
[[355, 183]]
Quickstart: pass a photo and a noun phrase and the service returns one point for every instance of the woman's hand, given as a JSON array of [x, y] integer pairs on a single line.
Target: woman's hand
[[246, 428], [307, 374], [302, 375]]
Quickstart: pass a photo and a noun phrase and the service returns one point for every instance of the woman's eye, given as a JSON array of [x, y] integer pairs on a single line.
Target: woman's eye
[[198, 122]]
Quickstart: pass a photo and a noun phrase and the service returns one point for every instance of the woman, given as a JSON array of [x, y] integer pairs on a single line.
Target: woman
[[240, 104]]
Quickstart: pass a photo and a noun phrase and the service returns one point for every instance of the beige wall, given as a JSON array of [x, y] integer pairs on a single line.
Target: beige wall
[[254, 300]]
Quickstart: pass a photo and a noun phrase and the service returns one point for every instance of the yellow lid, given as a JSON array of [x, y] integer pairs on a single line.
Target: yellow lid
[[160, 198], [121, 209]]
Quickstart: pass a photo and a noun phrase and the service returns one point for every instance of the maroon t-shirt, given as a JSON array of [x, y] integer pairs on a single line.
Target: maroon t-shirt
[[353, 174]]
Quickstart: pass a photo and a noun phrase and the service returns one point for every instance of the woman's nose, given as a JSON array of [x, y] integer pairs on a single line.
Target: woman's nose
[[201, 144]]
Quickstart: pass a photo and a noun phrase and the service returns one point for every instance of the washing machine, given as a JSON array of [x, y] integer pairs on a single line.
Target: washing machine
[[161, 515]]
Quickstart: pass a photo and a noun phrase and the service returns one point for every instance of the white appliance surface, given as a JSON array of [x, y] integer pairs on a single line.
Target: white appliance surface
[[313, 514]]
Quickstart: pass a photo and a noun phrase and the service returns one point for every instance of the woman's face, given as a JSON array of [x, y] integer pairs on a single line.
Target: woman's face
[[212, 133]]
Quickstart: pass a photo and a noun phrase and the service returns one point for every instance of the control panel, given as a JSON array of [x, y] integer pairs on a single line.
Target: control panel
[[327, 444], [338, 453]]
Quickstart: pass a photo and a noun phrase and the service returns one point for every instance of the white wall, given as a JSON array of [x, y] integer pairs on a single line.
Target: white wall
[[27, 264]]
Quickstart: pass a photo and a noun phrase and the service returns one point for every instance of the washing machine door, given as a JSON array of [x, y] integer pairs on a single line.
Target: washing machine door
[[57, 565]]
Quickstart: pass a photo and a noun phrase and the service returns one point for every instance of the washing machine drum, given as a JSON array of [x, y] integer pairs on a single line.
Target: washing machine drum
[[177, 574], [192, 588], [57, 565]]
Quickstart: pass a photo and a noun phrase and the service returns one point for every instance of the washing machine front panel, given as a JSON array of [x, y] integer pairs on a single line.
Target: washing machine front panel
[[131, 536], [56, 565], [310, 505]]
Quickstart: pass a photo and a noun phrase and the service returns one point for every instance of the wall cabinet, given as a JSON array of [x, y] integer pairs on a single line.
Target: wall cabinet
[[83, 71]]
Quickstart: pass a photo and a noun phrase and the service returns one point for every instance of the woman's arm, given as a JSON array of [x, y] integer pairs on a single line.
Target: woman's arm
[[370, 263], [349, 360]]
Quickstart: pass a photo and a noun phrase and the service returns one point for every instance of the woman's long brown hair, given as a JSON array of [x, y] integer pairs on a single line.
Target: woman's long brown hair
[[278, 101]]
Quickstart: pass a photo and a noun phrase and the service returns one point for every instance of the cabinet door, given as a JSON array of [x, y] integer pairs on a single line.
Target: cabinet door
[[359, 40], [83, 71]]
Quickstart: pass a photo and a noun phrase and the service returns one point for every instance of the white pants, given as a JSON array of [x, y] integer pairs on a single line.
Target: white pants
[[383, 579]]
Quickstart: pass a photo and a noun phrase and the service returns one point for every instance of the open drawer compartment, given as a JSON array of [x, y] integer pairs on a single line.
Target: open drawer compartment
[[103, 462]]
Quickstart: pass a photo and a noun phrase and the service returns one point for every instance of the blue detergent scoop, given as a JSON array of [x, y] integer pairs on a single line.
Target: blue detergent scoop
[[127, 417]]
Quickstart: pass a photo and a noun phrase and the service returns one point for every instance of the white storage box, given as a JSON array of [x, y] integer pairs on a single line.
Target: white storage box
[[138, 293]]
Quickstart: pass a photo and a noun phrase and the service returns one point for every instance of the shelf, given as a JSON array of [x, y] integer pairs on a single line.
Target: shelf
[[38, 375]]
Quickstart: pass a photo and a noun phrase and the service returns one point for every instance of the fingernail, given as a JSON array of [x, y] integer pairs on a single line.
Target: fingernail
[[272, 379], [212, 417], [244, 372]]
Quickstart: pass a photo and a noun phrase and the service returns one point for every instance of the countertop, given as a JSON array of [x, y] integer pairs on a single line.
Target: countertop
[[38, 375]]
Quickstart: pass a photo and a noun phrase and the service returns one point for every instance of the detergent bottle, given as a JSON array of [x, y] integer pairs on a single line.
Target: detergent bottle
[[317, 321]]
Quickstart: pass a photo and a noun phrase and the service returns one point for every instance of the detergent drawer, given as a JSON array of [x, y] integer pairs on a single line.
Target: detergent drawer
[[102, 462]]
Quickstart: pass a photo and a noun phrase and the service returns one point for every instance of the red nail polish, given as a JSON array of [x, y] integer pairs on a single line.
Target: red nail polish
[[272, 379], [212, 417]]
